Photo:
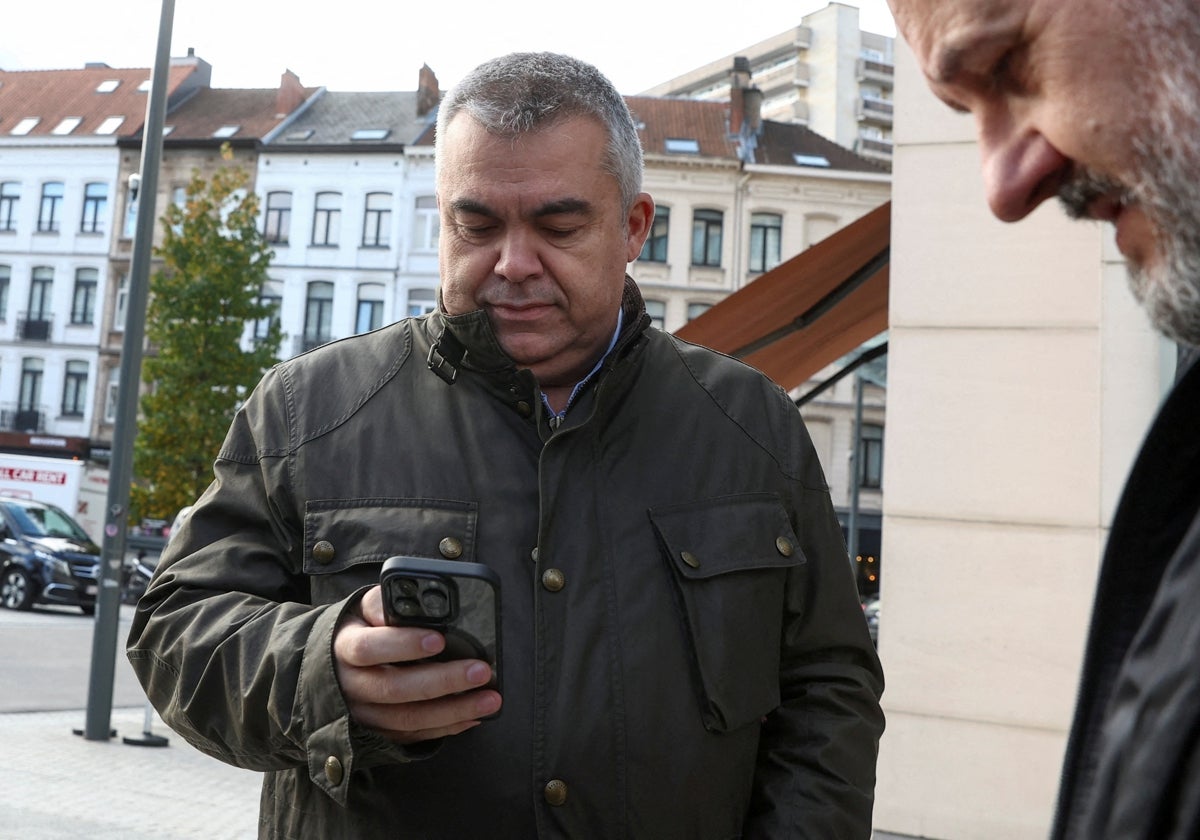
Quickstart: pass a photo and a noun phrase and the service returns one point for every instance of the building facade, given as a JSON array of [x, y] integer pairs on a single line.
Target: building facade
[[825, 73]]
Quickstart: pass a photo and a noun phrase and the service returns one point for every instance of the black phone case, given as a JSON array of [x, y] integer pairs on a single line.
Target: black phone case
[[458, 599]]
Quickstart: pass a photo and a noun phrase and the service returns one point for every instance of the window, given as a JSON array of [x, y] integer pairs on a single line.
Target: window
[[870, 470], [75, 389], [122, 305], [10, 196], [681, 146], [108, 86], [766, 232], [31, 388], [51, 208], [377, 220], [271, 299], [695, 310], [421, 302], [131, 194], [226, 131], [371, 134], [67, 125], [278, 222], [327, 219], [95, 199], [318, 314], [5, 282], [657, 310], [40, 286], [655, 249], [706, 237], [83, 301], [25, 126], [110, 125], [370, 308], [425, 224], [111, 395]]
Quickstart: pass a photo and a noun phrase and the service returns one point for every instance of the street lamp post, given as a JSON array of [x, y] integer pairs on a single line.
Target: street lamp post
[[104, 638]]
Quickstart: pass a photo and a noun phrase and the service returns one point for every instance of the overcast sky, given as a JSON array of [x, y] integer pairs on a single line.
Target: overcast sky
[[359, 45]]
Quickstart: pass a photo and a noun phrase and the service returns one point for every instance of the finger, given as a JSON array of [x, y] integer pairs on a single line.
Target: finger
[[413, 683], [359, 644], [426, 719], [370, 606]]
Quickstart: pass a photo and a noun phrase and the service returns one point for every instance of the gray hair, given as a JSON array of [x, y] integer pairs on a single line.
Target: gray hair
[[524, 92]]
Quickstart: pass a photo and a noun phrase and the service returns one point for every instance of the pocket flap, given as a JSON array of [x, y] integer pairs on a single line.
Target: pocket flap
[[339, 533], [727, 534]]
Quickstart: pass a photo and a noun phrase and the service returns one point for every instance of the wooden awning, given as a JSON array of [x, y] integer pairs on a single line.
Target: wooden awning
[[805, 314]]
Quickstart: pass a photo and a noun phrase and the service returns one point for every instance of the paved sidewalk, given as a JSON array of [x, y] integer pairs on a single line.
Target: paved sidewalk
[[60, 786]]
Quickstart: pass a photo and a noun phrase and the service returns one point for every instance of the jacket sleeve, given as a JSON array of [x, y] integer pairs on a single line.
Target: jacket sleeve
[[815, 774], [226, 642]]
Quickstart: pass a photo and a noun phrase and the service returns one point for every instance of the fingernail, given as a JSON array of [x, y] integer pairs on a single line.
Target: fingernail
[[431, 643], [479, 673]]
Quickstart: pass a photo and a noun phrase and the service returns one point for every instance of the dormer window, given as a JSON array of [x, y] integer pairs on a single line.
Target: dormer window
[[110, 125], [108, 86], [226, 131], [682, 146], [68, 125], [371, 134], [25, 126], [811, 160]]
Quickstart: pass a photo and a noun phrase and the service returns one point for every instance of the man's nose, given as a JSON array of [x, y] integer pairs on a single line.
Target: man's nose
[[1021, 169], [518, 259]]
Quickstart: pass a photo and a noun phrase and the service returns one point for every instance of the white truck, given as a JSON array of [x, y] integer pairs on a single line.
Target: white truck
[[79, 489]]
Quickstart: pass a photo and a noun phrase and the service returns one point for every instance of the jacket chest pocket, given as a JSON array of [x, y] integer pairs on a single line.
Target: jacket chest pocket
[[729, 559], [347, 540]]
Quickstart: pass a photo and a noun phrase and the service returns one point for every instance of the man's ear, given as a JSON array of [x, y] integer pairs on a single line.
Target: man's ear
[[641, 218]]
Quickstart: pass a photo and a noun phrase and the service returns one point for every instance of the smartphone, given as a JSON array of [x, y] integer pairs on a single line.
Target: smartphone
[[460, 600]]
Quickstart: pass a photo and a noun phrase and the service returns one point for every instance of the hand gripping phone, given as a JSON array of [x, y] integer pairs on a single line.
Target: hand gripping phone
[[459, 600]]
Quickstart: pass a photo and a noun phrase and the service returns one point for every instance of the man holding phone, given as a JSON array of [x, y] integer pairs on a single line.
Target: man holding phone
[[683, 651]]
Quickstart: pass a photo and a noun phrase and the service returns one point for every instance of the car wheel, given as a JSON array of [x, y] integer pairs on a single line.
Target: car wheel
[[87, 609], [16, 589]]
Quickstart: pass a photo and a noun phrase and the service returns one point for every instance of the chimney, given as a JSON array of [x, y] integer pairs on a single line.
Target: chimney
[[428, 94], [745, 102], [290, 95]]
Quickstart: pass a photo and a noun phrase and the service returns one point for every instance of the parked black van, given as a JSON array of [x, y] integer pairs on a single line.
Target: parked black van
[[45, 557]]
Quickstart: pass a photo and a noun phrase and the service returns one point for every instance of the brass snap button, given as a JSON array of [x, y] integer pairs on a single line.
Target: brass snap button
[[451, 548], [555, 792], [553, 579], [689, 558], [333, 770], [323, 552], [533, 554], [784, 546], [524, 408]]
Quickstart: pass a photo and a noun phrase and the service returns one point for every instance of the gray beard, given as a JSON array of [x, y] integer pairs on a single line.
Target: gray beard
[[1168, 160]]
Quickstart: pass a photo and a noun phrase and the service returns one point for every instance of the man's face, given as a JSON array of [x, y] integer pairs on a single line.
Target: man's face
[[534, 234], [1092, 101]]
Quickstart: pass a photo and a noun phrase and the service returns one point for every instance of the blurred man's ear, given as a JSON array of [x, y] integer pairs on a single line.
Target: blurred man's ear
[[641, 217]]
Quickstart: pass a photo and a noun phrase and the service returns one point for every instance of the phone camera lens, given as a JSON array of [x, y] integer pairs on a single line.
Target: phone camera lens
[[436, 602], [407, 607]]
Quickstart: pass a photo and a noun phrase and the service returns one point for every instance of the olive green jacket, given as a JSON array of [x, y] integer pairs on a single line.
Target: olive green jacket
[[684, 654]]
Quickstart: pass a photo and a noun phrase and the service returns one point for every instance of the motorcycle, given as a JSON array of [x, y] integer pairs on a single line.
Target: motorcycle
[[135, 577]]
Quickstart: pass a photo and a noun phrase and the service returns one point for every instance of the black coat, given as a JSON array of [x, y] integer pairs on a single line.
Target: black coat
[[1132, 769]]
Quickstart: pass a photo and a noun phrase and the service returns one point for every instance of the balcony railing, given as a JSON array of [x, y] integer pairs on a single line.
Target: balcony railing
[[874, 110], [873, 148], [35, 328], [15, 418], [879, 72]]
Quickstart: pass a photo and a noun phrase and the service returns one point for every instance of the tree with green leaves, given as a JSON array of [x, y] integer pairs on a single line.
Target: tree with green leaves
[[214, 264]]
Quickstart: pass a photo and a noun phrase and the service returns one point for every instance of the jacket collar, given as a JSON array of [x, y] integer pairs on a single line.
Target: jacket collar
[[467, 342]]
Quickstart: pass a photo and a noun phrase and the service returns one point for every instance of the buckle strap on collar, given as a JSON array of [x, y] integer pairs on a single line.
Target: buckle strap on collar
[[445, 356]]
